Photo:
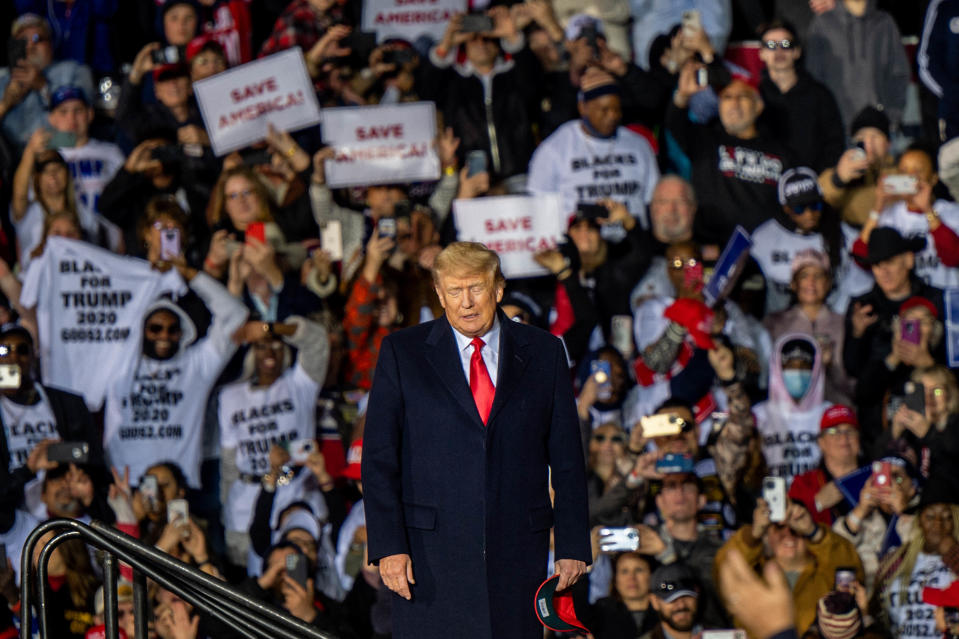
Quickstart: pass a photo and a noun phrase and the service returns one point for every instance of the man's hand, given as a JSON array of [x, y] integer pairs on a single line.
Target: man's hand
[[143, 63], [396, 571], [472, 186], [828, 496], [760, 519], [650, 543], [852, 164], [763, 608], [299, 600], [37, 460], [799, 519], [862, 318], [687, 84], [569, 571]]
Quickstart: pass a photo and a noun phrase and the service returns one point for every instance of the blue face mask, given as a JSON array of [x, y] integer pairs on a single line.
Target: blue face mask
[[796, 382]]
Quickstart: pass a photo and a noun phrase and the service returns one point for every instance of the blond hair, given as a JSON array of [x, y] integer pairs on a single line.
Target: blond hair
[[468, 258]]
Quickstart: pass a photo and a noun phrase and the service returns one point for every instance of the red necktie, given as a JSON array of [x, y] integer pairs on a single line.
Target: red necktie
[[480, 383]]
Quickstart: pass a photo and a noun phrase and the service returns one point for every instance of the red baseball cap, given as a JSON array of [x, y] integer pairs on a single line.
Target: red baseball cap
[[354, 456], [838, 414], [942, 597], [915, 301], [555, 610]]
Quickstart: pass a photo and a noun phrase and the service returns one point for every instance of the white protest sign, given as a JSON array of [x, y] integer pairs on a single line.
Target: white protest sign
[[381, 144], [238, 104], [409, 19], [514, 226]]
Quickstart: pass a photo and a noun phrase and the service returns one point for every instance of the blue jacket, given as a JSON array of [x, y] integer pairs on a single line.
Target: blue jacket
[[938, 60], [470, 503]]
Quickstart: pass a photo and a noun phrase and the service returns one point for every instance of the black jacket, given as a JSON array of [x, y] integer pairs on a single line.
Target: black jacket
[[736, 180], [73, 422], [806, 119], [460, 96]]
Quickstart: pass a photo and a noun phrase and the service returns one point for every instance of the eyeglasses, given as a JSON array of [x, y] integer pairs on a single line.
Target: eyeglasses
[[937, 391], [35, 38], [160, 225], [173, 329], [835, 431], [16, 349], [268, 346], [600, 438], [772, 45], [678, 264], [238, 194], [803, 208]]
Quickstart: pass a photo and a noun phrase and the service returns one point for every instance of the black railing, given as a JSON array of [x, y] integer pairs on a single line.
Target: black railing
[[247, 617]]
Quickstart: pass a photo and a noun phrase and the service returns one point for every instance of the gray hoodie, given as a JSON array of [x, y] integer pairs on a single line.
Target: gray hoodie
[[860, 59]]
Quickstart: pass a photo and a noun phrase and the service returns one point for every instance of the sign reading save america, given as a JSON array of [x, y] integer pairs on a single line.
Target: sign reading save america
[[409, 19], [381, 144], [237, 105]]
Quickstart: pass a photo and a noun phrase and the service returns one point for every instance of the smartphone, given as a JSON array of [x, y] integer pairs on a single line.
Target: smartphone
[[300, 450], [601, 371], [257, 231], [860, 148], [61, 139], [774, 493], [10, 376], [475, 163], [168, 154], [66, 452], [149, 488], [169, 244], [702, 77], [331, 239], [255, 157], [296, 568], [476, 23], [661, 425], [882, 474], [592, 211], [845, 578], [692, 22], [178, 512], [621, 334], [909, 331], [915, 398], [618, 539], [361, 43], [386, 227], [399, 57], [168, 55], [900, 184], [591, 34], [723, 634], [16, 51]]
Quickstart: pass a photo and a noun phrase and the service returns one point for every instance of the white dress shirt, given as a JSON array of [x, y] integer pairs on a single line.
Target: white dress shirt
[[490, 351]]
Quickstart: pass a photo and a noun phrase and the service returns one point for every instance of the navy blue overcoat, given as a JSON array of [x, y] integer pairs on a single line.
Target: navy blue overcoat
[[470, 503]]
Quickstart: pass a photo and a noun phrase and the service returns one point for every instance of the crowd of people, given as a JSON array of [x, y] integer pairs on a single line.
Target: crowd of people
[[184, 353]]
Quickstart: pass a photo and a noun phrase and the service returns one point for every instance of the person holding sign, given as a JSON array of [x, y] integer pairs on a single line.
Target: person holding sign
[[594, 158], [156, 411], [459, 451]]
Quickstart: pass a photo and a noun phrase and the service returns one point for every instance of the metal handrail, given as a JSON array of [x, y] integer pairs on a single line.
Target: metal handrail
[[246, 616]]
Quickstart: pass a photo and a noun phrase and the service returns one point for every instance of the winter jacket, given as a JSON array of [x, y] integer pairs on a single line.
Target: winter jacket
[[815, 580], [938, 61]]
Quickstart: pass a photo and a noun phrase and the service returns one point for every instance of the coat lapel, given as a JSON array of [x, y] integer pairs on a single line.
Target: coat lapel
[[512, 364], [443, 356]]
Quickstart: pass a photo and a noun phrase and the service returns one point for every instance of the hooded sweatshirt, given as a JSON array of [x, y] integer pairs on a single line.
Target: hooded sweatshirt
[[861, 60], [156, 413], [789, 428]]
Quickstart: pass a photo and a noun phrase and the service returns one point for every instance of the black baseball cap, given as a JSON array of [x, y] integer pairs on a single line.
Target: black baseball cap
[[672, 581], [556, 611]]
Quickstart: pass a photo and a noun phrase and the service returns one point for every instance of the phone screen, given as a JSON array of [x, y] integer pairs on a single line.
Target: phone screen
[[256, 230]]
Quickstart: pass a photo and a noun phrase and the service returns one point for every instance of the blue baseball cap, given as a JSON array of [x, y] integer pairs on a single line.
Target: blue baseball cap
[[63, 94]]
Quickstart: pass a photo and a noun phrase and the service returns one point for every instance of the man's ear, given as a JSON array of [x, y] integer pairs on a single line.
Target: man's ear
[[500, 289], [436, 289]]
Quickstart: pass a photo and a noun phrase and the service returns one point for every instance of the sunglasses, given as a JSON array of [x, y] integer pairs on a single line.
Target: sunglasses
[[599, 438], [678, 264], [16, 349], [800, 209], [160, 328], [772, 45]]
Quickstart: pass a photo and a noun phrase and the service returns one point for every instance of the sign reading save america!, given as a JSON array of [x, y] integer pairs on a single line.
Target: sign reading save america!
[[237, 105], [381, 144], [409, 19]]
